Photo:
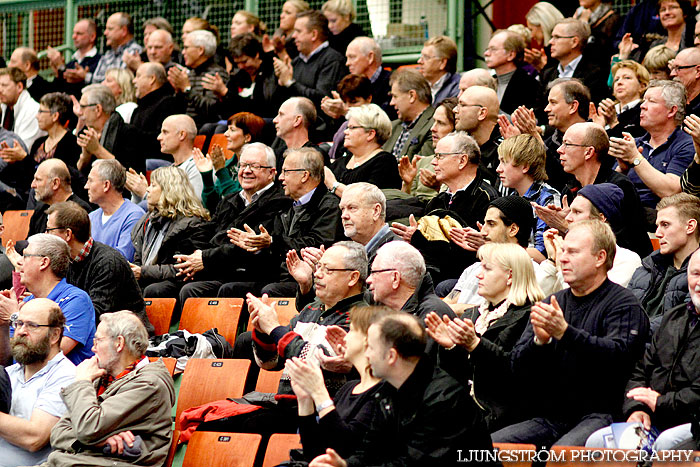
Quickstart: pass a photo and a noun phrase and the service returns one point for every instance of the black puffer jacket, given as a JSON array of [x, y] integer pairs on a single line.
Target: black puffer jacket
[[647, 278], [670, 367]]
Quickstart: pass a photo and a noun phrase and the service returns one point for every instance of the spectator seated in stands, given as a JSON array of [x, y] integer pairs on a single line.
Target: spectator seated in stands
[[488, 333], [661, 391], [506, 221], [293, 124], [38, 377], [339, 279], [340, 15], [504, 55], [160, 48], [42, 271], [282, 39], [72, 76], [353, 91], [313, 221], [199, 49], [683, 70], [604, 22], [433, 414], [593, 327], [18, 107], [106, 135], [96, 268], [603, 202], [521, 168], [259, 203], [174, 224], [416, 174], [121, 83], [176, 138], [368, 129], [12, 195], [630, 80], [364, 58], [410, 132], [466, 199], [119, 35], [26, 60], [51, 184], [666, 150], [155, 103], [340, 422], [438, 65], [583, 154], [220, 175], [540, 20], [119, 407], [113, 220], [660, 283]]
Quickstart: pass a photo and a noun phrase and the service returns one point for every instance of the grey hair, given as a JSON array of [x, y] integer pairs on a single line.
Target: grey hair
[[355, 258], [112, 171], [126, 324], [370, 194], [407, 260], [673, 93], [367, 45], [100, 94], [270, 158], [372, 117], [54, 248], [156, 70], [578, 28], [311, 161], [465, 144], [204, 39]]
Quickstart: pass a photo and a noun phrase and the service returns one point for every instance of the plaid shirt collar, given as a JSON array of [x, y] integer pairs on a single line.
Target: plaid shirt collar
[[85, 251]]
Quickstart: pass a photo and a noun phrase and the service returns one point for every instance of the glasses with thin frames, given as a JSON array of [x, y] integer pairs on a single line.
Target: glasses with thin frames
[[254, 167], [326, 271], [18, 323]]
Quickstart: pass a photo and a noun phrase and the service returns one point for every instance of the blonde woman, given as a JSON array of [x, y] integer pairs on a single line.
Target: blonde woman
[[487, 334], [340, 15], [245, 21], [541, 19], [174, 224], [630, 80], [121, 83]]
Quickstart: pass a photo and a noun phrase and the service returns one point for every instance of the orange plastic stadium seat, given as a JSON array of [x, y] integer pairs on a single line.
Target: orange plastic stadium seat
[[221, 449], [16, 225], [201, 314], [160, 313], [278, 448]]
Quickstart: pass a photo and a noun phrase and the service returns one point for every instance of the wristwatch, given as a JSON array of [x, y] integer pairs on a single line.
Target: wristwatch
[[637, 161], [334, 187], [324, 405]]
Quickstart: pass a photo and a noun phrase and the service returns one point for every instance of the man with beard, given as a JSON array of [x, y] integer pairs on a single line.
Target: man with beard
[[119, 407], [38, 376]]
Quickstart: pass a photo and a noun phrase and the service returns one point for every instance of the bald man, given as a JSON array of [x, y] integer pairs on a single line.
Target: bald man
[[477, 114], [476, 77], [685, 68], [160, 48], [364, 57], [51, 184], [26, 60], [156, 101]]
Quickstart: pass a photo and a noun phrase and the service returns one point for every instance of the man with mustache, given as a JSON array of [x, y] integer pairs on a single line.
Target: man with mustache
[[37, 378]]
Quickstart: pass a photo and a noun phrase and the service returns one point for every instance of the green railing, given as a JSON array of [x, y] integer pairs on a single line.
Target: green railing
[[400, 26]]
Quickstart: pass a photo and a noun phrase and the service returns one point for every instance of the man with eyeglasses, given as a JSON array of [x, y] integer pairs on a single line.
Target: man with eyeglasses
[[569, 37], [339, 277], [685, 68], [438, 64], [37, 378], [251, 212], [466, 199], [42, 270]]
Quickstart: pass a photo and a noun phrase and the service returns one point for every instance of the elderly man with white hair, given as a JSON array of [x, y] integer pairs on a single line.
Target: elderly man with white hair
[[198, 51]]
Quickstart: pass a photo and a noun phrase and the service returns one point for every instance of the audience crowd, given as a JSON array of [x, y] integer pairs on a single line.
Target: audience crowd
[[506, 254]]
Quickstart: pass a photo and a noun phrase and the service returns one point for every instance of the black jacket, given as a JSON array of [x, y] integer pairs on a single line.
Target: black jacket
[[423, 423], [124, 142], [39, 87], [312, 224], [37, 224], [588, 71], [447, 260], [107, 278], [225, 261], [488, 366], [648, 277], [267, 95], [670, 367], [184, 235], [148, 117], [522, 89]]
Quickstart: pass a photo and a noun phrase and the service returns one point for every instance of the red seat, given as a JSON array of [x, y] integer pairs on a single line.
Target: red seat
[[201, 314], [220, 449], [160, 313]]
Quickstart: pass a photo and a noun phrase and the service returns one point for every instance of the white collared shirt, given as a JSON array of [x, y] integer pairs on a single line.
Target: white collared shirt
[[568, 70]]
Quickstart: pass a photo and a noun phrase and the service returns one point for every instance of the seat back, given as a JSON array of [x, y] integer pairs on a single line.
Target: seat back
[[208, 380], [268, 381], [286, 310], [160, 313], [515, 459], [199, 142], [169, 363], [201, 314], [278, 448], [16, 225], [221, 449], [221, 140]]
